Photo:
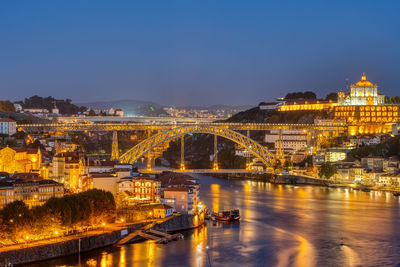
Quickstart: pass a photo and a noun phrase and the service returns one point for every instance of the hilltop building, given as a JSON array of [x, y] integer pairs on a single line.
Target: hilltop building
[[364, 109]]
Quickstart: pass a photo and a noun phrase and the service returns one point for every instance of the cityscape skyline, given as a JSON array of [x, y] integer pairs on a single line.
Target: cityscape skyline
[[195, 54]]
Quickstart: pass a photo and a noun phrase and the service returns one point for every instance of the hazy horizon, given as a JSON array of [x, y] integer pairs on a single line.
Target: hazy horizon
[[181, 53]]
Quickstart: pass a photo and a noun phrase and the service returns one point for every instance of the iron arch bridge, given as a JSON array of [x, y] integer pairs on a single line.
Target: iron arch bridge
[[145, 146]]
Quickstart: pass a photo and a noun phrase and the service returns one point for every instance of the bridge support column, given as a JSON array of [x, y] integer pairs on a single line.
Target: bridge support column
[[182, 167], [247, 156], [215, 161], [279, 148], [114, 148], [148, 156]]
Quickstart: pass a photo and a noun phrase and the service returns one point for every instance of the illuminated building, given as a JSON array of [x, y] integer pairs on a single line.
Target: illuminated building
[[182, 199], [139, 189], [33, 190], [180, 191], [161, 211], [20, 159], [362, 93], [104, 181], [67, 168], [107, 181], [364, 109], [313, 105], [8, 126], [334, 155], [389, 180]]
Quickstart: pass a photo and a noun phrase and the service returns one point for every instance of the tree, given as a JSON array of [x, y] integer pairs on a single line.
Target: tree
[[7, 106], [327, 170], [332, 96], [92, 113], [301, 95], [288, 165]]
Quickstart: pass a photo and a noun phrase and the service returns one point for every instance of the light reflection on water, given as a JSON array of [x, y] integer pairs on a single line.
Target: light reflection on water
[[282, 225]]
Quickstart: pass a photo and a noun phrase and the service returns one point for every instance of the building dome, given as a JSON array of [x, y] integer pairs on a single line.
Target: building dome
[[363, 82]]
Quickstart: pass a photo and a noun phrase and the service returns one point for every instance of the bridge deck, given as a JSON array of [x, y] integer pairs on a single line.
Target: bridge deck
[[130, 126]]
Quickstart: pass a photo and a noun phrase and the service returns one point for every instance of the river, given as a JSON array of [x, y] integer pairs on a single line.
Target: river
[[281, 225]]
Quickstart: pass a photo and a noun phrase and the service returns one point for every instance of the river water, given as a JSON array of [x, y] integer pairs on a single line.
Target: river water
[[281, 225]]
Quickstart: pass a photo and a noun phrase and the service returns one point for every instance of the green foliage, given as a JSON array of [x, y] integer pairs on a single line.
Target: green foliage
[[327, 170], [86, 208], [288, 165], [301, 95], [392, 100], [389, 148], [7, 106], [16, 213], [228, 160], [332, 96]]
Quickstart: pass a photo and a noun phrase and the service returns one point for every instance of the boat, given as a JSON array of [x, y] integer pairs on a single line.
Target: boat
[[396, 194], [227, 215], [366, 190]]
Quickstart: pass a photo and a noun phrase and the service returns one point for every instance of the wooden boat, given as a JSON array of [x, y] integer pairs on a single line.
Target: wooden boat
[[227, 215]]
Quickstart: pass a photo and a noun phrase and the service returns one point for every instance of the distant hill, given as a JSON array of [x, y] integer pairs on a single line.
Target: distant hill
[[130, 107], [229, 109]]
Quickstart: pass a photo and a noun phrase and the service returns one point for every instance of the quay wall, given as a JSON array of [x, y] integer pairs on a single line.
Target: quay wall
[[181, 222], [86, 243], [59, 249]]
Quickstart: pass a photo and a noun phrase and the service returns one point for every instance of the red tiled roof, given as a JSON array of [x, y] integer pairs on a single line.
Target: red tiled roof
[[26, 176], [170, 178], [173, 189], [6, 120]]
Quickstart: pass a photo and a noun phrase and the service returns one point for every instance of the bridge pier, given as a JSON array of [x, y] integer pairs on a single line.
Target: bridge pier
[[215, 160], [114, 147], [182, 166]]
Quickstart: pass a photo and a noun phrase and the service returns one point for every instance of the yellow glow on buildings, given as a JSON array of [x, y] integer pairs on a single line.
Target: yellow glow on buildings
[[306, 105], [363, 109], [20, 160]]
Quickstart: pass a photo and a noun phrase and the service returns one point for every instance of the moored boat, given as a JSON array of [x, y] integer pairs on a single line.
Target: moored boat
[[227, 215], [396, 194]]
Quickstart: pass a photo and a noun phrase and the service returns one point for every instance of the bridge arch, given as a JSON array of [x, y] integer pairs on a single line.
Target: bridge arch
[[145, 146]]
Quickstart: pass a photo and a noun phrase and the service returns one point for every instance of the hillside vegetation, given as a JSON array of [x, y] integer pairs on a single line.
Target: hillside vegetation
[[256, 115]]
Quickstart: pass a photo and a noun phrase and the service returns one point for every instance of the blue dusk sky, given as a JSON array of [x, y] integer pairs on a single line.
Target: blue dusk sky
[[195, 52]]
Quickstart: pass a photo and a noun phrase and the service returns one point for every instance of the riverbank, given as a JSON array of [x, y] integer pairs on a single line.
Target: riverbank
[[298, 180], [64, 246]]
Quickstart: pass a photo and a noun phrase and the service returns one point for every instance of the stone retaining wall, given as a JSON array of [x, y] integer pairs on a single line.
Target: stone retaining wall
[[70, 247]]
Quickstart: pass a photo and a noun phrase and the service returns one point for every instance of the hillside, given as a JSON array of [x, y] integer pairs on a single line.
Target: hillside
[[272, 116], [130, 107], [64, 106], [23, 118]]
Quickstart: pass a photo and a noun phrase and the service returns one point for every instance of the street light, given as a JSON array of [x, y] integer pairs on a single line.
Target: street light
[[208, 256], [104, 225]]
